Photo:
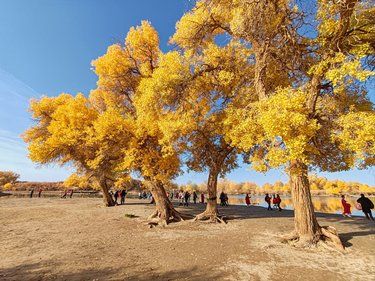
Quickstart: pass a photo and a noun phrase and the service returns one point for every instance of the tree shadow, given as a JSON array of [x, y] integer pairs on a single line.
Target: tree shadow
[[346, 237], [135, 204], [238, 212], [45, 271]]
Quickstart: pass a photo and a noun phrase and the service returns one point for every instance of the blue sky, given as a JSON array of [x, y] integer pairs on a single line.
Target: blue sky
[[47, 47]]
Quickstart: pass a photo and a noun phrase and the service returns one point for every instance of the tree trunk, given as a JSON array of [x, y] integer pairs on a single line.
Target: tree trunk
[[307, 231], [305, 223], [107, 198], [260, 72], [163, 205], [165, 212], [211, 212]]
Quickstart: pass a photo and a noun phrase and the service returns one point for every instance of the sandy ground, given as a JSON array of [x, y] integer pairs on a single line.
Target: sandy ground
[[79, 239]]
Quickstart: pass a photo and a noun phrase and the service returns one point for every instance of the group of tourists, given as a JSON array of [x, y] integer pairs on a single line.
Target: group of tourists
[[40, 190], [67, 193], [363, 203], [275, 200], [121, 194], [184, 197], [144, 195]]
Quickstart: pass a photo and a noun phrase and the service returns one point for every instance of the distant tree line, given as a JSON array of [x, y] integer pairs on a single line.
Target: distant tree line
[[319, 186]]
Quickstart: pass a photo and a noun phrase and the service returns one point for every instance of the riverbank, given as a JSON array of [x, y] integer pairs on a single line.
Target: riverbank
[[79, 239], [323, 204]]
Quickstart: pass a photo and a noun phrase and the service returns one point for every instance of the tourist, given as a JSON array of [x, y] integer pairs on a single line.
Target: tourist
[[366, 205], [226, 199], [181, 197], [31, 193], [40, 192], [222, 198], [202, 198], [247, 199], [346, 206], [274, 201], [71, 193], [123, 194], [277, 201], [268, 201], [187, 198], [116, 196], [195, 196]]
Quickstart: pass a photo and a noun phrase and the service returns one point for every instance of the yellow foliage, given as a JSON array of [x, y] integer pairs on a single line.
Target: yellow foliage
[[8, 186], [8, 177], [356, 134]]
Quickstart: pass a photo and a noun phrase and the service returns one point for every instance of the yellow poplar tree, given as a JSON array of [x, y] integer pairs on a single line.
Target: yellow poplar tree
[[71, 131], [305, 106], [8, 177], [231, 74], [191, 91], [124, 78]]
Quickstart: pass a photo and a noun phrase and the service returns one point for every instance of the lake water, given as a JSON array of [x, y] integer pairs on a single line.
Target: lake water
[[323, 204]]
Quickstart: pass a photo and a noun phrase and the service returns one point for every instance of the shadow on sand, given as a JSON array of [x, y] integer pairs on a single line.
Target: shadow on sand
[[40, 271], [238, 212]]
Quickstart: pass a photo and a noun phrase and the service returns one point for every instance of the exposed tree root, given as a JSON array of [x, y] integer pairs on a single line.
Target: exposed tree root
[[289, 237], [158, 218], [326, 236], [211, 217]]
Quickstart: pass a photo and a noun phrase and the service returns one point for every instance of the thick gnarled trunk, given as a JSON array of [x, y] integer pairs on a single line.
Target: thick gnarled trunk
[[307, 231], [165, 212], [305, 223], [211, 212], [107, 198], [211, 207]]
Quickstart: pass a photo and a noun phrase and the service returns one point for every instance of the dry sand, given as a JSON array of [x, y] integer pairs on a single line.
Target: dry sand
[[79, 239]]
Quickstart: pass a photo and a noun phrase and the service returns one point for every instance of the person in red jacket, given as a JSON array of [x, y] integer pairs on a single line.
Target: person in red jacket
[[247, 200], [346, 206], [277, 201]]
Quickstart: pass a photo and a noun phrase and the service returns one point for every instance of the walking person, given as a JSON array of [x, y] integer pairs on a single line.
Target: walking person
[[247, 199], [116, 196], [40, 192], [71, 193], [268, 201], [222, 198], [31, 193], [277, 201], [181, 197], [346, 206], [123, 194], [366, 205], [187, 198], [195, 196], [202, 198], [226, 199]]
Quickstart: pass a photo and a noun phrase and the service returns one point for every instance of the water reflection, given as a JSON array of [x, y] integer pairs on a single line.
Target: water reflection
[[323, 204]]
